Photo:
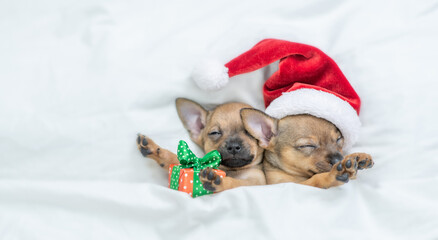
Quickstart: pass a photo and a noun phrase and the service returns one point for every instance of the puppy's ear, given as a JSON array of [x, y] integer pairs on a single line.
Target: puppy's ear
[[193, 117], [261, 126]]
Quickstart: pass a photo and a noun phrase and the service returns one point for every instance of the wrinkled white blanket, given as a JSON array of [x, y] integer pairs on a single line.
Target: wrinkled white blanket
[[79, 80]]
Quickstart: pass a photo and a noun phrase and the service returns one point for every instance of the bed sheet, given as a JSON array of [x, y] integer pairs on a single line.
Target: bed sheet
[[79, 80]]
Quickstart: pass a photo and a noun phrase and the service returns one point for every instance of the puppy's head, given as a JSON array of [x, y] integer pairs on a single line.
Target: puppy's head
[[221, 129], [299, 144]]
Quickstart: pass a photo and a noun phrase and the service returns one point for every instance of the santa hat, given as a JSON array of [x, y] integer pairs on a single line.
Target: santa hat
[[307, 82]]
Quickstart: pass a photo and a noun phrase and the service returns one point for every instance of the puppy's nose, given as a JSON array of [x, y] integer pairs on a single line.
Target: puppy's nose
[[233, 147], [334, 158]]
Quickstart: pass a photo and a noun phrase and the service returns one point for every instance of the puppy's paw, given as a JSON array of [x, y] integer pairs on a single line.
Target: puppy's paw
[[142, 145], [210, 180], [148, 148], [344, 170], [363, 160]]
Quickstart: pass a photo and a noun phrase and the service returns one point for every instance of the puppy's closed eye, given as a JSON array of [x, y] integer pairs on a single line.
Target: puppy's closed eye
[[305, 145], [215, 134], [306, 149]]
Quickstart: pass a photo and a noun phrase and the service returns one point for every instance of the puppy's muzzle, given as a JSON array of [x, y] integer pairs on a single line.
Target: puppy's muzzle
[[235, 154], [233, 147]]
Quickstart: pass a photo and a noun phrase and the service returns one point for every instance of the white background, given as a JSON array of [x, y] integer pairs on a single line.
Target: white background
[[79, 80]]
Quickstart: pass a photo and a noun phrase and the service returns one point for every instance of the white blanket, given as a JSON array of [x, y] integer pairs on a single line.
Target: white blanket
[[79, 80]]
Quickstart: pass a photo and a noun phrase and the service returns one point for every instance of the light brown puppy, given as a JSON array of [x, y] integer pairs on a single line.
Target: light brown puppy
[[303, 149], [218, 129]]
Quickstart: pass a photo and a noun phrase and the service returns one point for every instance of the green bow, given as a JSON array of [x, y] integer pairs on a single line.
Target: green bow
[[188, 159]]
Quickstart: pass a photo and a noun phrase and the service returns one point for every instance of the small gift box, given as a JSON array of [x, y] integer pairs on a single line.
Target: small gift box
[[185, 176]]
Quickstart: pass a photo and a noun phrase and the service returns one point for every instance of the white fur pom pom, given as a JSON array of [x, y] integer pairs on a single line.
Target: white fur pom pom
[[210, 75]]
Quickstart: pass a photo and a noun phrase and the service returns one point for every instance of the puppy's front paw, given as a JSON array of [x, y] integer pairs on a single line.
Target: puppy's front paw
[[143, 145], [363, 160], [210, 180], [149, 149], [344, 170]]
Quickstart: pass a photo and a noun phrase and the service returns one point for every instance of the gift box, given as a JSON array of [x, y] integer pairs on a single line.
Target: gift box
[[185, 176]]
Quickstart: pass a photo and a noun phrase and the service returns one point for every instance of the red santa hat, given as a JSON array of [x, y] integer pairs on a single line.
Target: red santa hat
[[307, 82]]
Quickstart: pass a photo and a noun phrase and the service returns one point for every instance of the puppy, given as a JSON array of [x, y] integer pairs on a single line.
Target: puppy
[[303, 149], [218, 129]]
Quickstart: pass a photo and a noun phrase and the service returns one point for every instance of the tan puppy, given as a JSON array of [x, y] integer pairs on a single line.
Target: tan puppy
[[303, 149], [218, 129]]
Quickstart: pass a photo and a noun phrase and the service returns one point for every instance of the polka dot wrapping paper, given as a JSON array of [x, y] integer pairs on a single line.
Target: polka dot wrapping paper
[[185, 176]]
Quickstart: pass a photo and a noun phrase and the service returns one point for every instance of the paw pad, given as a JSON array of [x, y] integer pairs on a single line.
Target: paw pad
[[345, 170], [210, 180], [143, 145], [343, 178]]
